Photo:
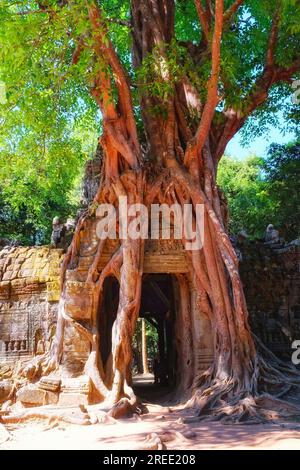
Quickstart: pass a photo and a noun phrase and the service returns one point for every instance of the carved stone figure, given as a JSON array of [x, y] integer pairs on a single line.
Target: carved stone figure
[[58, 233], [271, 235]]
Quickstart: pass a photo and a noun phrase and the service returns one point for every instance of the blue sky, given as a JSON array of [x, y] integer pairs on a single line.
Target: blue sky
[[258, 146]]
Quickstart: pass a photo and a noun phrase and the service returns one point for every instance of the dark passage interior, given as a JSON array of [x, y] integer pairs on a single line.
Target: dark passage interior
[[158, 352], [107, 316], [157, 341]]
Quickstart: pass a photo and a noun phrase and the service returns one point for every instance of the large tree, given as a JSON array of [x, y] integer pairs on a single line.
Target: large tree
[[174, 81]]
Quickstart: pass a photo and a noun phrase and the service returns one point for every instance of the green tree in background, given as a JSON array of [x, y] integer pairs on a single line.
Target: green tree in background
[[152, 345], [247, 194], [49, 124], [282, 174], [40, 175], [262, 191]]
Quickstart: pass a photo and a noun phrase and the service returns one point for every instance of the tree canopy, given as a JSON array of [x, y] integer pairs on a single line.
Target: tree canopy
[[49, 121], [48, 65]]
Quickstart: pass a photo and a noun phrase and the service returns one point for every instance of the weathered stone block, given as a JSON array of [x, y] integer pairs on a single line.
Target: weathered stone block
[[32, 280], [7, 275], [18, 283], [53, 291], [4, 290], [31, 395], [66, 399], [52, 397], [51, 384], [76, 385], [25, 272]]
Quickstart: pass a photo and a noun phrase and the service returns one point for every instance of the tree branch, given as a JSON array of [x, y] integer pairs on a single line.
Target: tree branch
[[273, 39], [212, 86], [209, 13], [235, 119], [272, 73], [78, 50], [203, 18], [232, 10], [105, 51], [121, 78]]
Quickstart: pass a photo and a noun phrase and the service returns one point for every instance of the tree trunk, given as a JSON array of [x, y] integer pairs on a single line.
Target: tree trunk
[[138, 351], [144, 347]]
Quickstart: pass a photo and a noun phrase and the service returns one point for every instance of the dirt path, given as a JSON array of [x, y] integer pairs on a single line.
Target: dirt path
[[131, 433]]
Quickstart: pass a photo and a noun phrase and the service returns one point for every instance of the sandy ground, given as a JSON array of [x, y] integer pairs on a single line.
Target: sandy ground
[[130, 434]]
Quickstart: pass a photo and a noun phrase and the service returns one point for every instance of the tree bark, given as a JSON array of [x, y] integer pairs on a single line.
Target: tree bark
[[144, 347]]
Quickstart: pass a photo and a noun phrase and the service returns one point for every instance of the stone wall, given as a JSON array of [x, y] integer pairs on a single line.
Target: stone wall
[[29, 294], [271, 277]]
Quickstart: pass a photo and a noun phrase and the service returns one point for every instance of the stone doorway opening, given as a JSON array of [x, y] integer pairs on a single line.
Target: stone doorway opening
[[105, 320], [154, 346], [158, 375]]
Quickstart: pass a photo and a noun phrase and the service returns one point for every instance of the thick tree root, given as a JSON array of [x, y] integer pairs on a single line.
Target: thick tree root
[[122, 409], [158, 441], [235, 399], [40, 366], [220, 402], [127, 406], [152, 442], [236, 386]]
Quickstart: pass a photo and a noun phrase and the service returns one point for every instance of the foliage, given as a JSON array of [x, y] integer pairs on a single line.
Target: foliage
[[14, 225], [247, 193], [36, 187], [37, 49], [152, 342], [47, 130], [262, 191], [282, 174]]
